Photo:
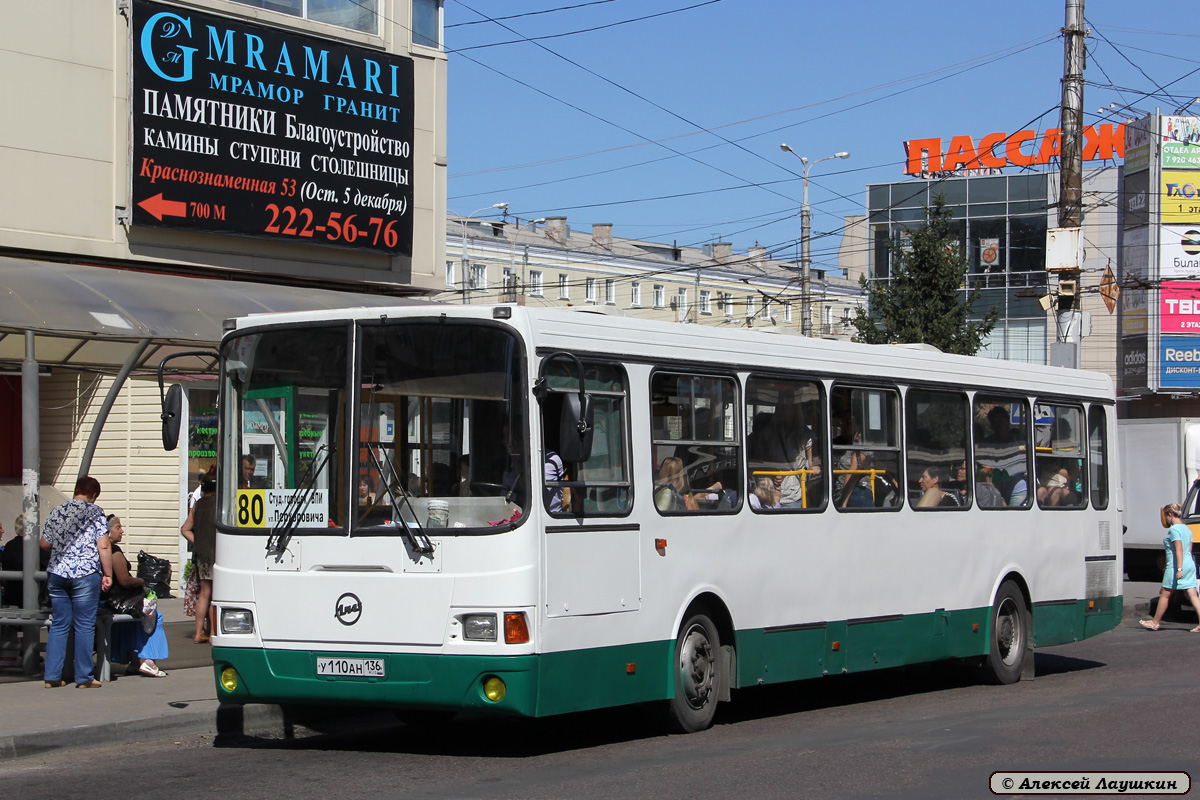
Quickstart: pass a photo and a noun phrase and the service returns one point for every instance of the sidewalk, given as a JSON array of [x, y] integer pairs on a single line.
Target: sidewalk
[[131, 708], [135, 708]]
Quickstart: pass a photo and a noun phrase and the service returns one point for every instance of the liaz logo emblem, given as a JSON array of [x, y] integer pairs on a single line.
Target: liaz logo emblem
[[348, 609]]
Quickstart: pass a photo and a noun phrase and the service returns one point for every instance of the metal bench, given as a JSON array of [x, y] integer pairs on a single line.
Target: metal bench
[[32, 646]]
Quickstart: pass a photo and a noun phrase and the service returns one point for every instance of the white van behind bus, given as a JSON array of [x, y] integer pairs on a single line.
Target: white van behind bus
[[1160, 462]]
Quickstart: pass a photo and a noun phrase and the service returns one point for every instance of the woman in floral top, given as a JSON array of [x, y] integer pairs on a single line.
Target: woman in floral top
[[76, 534]]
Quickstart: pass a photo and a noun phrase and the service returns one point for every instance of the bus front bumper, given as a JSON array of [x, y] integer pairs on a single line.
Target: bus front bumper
[[410, 681]]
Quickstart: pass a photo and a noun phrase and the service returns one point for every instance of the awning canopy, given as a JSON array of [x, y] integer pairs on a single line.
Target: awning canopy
[[87, 317]]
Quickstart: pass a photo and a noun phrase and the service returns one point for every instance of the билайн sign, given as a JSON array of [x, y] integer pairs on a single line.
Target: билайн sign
[[243, 129], [1021, 149]]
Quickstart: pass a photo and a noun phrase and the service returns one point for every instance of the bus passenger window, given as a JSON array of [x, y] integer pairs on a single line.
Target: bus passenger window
[[600, 486], [785, 441], [1098, 456], [866, 448], [695, 443], [1060, 477], [938, 473], [1001, 452]]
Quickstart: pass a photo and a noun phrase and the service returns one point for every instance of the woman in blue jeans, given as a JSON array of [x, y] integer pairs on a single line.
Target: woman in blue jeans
[[76, 534]]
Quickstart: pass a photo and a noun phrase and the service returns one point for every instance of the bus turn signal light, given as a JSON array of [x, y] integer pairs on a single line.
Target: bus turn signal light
[[515, 629], [661, 546]]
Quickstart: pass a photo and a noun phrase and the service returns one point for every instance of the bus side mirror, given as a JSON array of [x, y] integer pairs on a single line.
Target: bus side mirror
[[576, 428], [172, 409]]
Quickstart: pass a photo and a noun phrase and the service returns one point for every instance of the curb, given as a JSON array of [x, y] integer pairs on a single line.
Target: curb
[[218, 720]]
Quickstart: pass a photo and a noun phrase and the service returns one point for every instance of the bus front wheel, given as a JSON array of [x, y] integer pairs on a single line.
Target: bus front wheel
[[1010, 628], [697, 675]]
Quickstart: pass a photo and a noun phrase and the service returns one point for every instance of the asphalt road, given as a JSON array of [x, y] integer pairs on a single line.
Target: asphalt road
[[1124, 700]]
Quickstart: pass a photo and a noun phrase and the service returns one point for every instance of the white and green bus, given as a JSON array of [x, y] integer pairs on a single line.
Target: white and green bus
[[534, 512]]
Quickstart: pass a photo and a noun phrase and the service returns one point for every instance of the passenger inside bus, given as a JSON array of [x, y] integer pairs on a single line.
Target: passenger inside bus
[[765, 494], [671, 492], [931, 481]]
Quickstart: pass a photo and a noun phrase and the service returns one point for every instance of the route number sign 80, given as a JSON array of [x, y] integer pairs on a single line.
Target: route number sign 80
[[251, 508]]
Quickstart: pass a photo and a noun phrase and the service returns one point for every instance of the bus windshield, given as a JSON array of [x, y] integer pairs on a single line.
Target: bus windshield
[[437, 426]]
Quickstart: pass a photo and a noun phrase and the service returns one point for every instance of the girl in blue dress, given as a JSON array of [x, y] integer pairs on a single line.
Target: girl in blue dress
[[1180, 573]]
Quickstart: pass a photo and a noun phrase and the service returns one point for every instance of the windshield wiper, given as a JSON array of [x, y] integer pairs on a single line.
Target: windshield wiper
[[297, 504], [416, 536]]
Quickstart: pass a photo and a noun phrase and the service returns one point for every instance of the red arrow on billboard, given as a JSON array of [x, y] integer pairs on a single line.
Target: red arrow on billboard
[[159, 208]]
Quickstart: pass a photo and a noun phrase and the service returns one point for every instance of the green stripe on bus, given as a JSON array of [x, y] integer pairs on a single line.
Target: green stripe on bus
[[599, 677], [1061, 623]]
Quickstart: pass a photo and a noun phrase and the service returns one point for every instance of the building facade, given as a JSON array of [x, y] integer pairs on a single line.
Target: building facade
[[546, 263], [295, 150], [1000, 222]]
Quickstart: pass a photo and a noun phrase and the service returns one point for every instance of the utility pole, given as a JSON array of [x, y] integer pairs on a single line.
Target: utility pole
[[1066, 255], [1070, 196]]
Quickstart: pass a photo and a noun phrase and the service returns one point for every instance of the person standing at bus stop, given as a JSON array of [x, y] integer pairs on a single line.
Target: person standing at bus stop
[[76, 534], [1180, 573], [200, 529]]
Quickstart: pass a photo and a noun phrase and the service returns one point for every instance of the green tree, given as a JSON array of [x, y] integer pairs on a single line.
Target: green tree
[[924, 302]]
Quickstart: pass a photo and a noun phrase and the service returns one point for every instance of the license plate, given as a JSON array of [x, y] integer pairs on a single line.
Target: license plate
[[350, 667]]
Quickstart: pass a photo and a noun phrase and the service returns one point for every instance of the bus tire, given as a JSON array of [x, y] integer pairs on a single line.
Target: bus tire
[[1009, 635], [696, 666]]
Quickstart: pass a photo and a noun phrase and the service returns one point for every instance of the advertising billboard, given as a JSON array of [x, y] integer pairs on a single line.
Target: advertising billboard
[[1179, 307], [1180, 196], [1179, 362], [256, 131], [1179, 252]]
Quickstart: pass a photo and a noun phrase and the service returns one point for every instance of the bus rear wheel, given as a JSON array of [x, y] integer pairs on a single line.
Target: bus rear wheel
[[1009, 637], [697, 666]]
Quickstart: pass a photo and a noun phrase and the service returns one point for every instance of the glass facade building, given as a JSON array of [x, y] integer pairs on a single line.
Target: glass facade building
[[1000, 222]]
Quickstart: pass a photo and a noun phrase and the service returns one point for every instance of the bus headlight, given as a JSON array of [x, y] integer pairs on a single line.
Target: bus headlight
[[229, 679], [479, 627], [237, 620], [494, 688]]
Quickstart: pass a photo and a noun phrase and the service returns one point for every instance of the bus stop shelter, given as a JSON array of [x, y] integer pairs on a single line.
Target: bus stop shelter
[[118, 322]]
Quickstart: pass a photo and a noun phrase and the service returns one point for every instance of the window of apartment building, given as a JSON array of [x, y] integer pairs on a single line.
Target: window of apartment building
[[705, 301], [451, 281], [535, 282], [610, 291], [681, 303], [479, 277], [728, 303], [660, 295], [564, 288], [357, 15], [766, 310], [426, 22], [787, 312], [749, 305], [635, 294], [510, 282], [590, 290], [826, 319]]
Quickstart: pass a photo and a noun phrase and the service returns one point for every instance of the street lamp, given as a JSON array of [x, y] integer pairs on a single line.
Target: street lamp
[[466, 264], [805, 232]]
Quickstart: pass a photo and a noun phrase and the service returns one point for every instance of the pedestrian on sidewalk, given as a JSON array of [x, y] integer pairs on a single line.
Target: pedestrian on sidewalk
[[201, 530], [130, 639], [1180, 573], [76, 534]]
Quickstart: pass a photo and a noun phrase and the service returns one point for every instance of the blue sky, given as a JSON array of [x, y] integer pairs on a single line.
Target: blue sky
[[665, 118]]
